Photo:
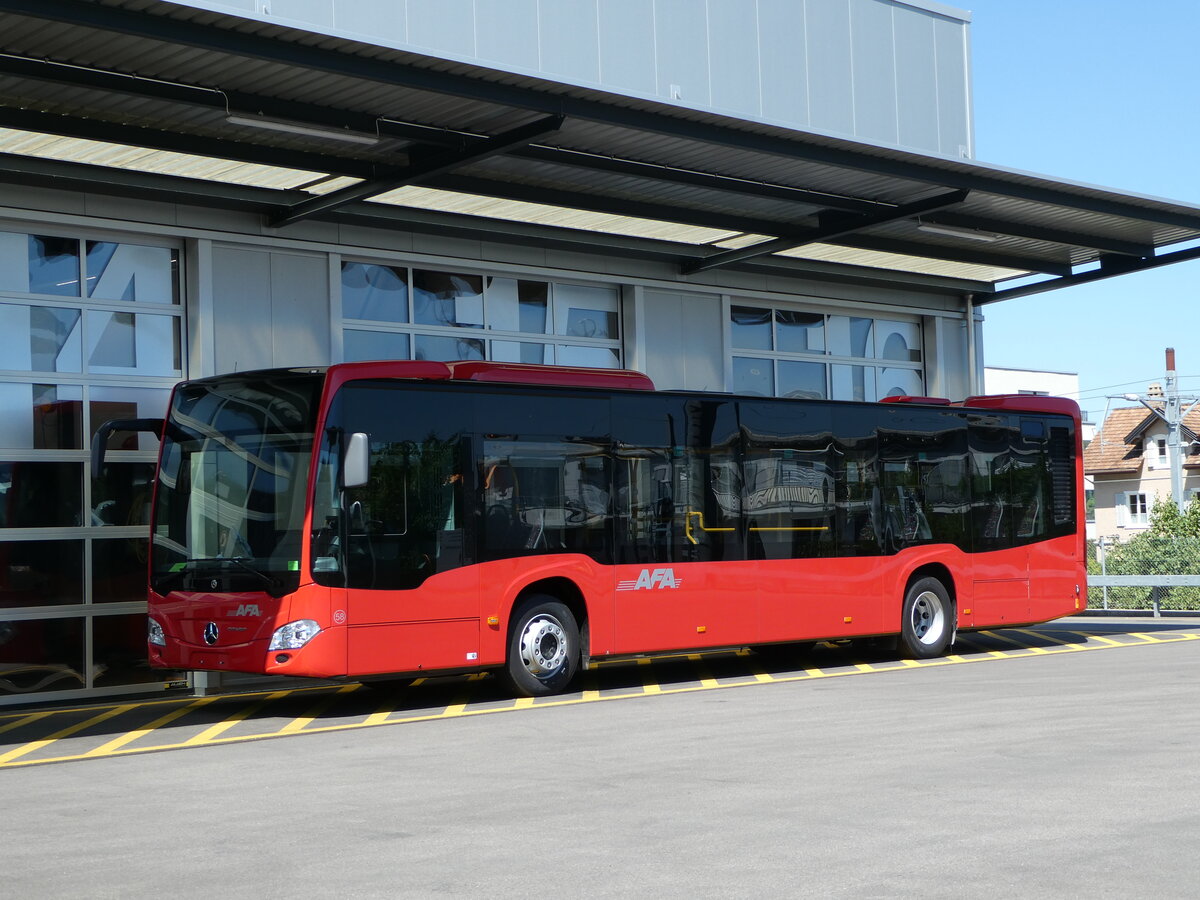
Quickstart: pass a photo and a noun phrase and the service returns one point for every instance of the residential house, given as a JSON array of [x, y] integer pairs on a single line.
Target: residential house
[[1129, 464]]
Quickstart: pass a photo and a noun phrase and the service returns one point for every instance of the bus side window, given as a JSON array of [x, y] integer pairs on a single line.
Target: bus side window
[[545, 496], [990, 439], [790, 469]]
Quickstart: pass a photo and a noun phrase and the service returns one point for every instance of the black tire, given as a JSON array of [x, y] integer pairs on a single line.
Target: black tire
[[543, 647], [927, 620]]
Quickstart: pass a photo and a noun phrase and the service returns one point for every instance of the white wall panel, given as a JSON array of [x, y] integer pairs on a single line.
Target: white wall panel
[[680, 34], [382, 21], [627, 45], [569, 39], [954, 116], [883, 71], [299, 310], [447, 26], [684, 341], [241, 309], [916, 82], [830, 70], [733, 56], [784, 77], [314, 12], [269, 309], [873, 59], [506, 33]]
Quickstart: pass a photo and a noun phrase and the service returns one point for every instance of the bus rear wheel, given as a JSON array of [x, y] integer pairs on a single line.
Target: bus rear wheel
[[927, 619], [543, 648]]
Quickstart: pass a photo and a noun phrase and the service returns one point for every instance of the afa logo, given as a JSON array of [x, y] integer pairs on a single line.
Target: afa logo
[[651, 579], [248, 609]]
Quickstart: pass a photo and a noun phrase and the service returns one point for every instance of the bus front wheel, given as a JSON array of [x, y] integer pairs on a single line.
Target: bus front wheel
[[543, 649], [927, 624]]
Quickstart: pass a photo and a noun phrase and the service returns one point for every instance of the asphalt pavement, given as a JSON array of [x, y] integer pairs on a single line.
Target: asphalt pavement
[[1060, 774]]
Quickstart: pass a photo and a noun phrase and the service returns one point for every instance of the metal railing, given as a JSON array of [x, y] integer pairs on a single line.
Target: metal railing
[[1145, 573]]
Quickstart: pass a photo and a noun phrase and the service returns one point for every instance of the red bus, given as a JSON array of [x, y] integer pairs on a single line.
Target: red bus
[[371, 519]]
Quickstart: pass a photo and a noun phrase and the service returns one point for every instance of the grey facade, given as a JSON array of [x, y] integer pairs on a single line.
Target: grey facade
[[882, 71]]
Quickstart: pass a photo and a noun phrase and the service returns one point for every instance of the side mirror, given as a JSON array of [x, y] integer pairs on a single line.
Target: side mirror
[[105, 430], [357, 468]]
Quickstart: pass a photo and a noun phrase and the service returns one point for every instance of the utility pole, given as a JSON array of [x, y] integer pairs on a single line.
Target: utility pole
[[1172, 413], [1174, 421]]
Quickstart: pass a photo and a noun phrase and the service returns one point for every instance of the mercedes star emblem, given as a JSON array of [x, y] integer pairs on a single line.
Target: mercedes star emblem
[[210, 633]]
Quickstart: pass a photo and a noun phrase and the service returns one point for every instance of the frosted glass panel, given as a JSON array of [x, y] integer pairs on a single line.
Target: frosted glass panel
[[363, 345], [753, 376], [131, 272], [374, 292], [128, 344], [898, 340]]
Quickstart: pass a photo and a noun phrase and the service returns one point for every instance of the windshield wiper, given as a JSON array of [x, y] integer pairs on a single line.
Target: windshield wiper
[[273, 586], [164, 582]]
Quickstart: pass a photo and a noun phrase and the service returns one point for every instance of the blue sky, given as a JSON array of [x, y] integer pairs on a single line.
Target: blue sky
[[1105, 92]]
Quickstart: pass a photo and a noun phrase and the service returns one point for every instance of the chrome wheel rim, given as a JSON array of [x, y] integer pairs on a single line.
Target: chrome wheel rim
[[543, 646], [928, 618]]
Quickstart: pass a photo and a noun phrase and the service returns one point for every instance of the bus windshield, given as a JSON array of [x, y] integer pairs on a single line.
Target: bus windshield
[[231, 485]]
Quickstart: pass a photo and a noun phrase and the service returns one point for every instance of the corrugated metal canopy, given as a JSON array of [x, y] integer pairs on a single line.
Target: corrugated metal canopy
[[131, 96]]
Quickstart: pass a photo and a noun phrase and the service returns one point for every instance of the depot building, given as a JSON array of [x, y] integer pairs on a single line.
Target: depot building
[[774, 197]]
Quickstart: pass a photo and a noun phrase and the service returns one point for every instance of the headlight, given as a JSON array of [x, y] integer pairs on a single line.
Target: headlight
[[154, 633], [294, 635]]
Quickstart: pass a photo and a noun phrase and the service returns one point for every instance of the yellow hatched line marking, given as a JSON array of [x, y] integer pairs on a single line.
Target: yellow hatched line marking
[[864, 667], [454, 709], [1016, 643], [979, 648], [649, 685], [66, 732], [1070, 645], [25, 720], [245, 712], [301, 722], [706, 675], [523, 703], [172, 701], [380, 715], [168, 718], [1088, 636], [458, 709], [759, 673], [1175, 636], [591, 687], [953, 657]]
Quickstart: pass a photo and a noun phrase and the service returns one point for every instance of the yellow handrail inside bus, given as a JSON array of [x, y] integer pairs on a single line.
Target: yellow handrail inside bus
[[687, 525]]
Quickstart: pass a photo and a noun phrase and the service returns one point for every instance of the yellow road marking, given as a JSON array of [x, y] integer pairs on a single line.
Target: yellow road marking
[[1008, 640], [523, 703], [130, 737], [25, 720], [459, 708], [706, 675], [1096, 637], [455, 709], [864, 667], [759, 673], [300, 722], [66, 732], [1070, 645], [649, 685], [380, 715], [979, 648], [245, 712]]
